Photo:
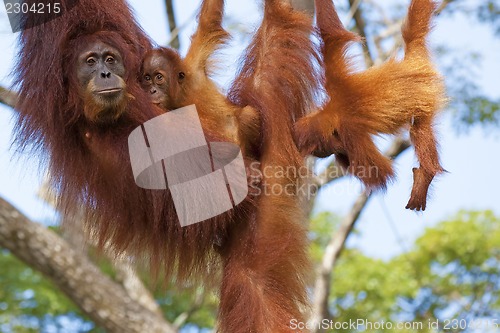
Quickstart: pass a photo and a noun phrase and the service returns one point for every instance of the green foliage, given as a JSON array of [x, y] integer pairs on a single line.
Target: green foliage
[[452, 272], [489, 12], [467, 99], [28, 301], [198, 303], [480, 109]]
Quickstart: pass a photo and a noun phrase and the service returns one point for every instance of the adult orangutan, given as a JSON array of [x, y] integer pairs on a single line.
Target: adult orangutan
[[88, 63]]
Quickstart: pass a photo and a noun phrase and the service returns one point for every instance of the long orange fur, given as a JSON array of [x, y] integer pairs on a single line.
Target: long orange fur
[[264, 282], [381, 100], [264, 258]]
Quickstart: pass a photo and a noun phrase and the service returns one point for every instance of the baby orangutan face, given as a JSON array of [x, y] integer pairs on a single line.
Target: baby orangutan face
[[163, 75]]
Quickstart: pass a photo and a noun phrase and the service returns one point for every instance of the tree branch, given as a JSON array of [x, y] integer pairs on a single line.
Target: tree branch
[[361, 26], [133, 285], [99, 297], [443, 6], [336, 245], [172, 25], [8, 97], [73, 231]]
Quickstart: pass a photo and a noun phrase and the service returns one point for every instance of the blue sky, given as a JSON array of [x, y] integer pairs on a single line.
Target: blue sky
[[472, 158]]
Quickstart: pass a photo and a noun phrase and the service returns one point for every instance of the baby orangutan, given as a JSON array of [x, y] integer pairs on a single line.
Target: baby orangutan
[[174, 82], [381, 100], [164, 76]]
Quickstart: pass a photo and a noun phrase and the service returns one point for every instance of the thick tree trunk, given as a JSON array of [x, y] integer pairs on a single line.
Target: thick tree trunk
[[103, 300]]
